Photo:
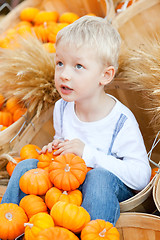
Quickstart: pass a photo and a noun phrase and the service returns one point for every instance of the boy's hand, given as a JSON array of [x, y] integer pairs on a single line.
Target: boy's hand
[[70, 146], [51, 146]]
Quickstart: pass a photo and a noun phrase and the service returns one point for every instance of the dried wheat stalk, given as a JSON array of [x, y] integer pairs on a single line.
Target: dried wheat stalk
[[28, 73], [141, 69]]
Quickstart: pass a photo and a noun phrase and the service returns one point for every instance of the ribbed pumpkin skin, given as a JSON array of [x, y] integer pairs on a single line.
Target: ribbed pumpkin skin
[[56, 233], [99, 229], [70, 216], [32, 204], [67, 172], [37, 223], [12, 219], [45, 159], [54, 195], [35, 181]]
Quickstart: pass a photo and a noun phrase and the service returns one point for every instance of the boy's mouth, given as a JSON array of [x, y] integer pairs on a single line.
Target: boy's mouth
[[65, 89]]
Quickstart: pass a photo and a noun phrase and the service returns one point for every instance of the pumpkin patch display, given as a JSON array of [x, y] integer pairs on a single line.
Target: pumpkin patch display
[[32, 205], [12, 219], [37, 223], [35, 181], [70, 216], [99, 229], [55, 233], [54, 195], [67, 172]]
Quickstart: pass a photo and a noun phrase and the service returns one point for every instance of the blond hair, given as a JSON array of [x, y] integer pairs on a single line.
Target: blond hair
[[96, 33]]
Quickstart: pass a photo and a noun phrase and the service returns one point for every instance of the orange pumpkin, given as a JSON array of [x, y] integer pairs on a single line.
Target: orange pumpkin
[[69, 216], [1, 100], [98, 229], [54, 195], [11, 165], [37, 223], [45, 159], [28, 14], [35, 181], [67, 172], [68, 17], [19, 113], [154, 172], [55, 233], [6, 118], [29, 151], [49, 47], [3, 128], [46, 16], [53, 32], [12, 219], [32, 205], [12, 104]]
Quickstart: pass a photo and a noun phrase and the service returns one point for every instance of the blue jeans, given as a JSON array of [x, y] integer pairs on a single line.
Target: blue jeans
[[102, 191]]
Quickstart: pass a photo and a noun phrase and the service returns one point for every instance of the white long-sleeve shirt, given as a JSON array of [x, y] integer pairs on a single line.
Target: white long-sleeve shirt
[[114, 142]]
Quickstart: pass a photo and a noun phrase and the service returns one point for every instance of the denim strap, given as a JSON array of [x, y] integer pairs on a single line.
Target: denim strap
[[62, 107], [117, 129]]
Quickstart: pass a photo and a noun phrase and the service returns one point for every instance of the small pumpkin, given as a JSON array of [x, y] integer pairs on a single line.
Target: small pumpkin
[[98, 229], [55, 233], [19, 113], [12, 219], [53, 32], [37, 223], [28, 14], [69, 216], [46, 16], [154, 172], [50, 47], [12, 164], [32, 205], [45, 159], [6, 118], [12, 104], [67, 172], [68, 17], [2, 99], [35, 181], [54, 195], [29, 151]]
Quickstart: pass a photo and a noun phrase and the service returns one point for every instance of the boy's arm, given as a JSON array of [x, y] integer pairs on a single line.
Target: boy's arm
[[128, 161]]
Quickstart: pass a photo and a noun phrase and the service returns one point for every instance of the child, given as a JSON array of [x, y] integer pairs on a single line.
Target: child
[[95, 125]]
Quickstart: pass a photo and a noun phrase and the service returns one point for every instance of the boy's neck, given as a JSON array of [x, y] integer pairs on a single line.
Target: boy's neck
[[94, 111]]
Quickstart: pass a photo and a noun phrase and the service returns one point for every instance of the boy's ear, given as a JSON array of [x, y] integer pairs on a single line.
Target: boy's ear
[[107, 75]]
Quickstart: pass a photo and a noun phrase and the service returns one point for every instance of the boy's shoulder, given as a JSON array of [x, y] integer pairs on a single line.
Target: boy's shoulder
[[120, 108]]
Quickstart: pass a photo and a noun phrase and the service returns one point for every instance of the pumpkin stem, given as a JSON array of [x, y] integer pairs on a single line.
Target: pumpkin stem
[[102, 234], [65, 192], [67, 168], [9, 216], [28, 224]]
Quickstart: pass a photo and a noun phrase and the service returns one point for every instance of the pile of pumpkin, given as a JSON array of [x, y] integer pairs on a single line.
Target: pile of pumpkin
[[42, 24], [10, 111], [52, 207]]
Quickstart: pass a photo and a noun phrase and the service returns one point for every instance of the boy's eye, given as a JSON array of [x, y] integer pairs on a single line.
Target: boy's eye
[[79, 66], [60, 64]]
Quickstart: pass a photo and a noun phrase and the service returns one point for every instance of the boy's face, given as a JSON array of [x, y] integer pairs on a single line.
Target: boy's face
[[78, 73]]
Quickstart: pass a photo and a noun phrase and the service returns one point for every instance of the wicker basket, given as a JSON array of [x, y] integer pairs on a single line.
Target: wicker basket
[[156, 192], [138, 226]]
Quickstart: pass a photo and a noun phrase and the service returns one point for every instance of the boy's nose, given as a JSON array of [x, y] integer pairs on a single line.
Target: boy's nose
[[65, 74]]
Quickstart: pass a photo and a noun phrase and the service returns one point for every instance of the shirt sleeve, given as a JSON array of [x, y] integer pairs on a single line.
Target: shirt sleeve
[[128, 160]]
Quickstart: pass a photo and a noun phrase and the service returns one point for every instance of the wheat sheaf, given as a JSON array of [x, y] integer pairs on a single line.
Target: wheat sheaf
[[140, 68], [27, 72]]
